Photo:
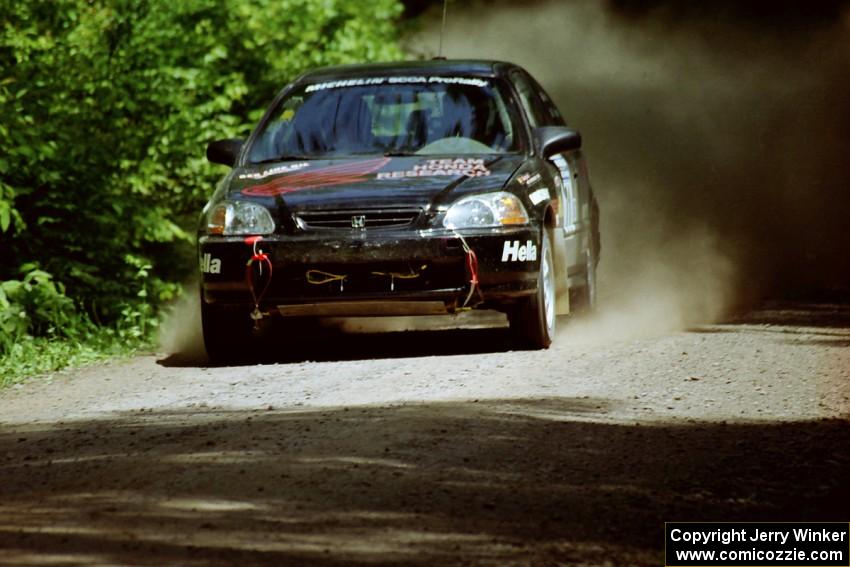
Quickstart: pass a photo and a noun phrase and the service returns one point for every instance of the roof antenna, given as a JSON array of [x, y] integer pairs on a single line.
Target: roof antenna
[[442, 30]]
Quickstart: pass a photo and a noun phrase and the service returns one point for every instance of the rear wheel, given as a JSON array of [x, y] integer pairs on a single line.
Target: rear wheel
[[228, 333], [532, 321]]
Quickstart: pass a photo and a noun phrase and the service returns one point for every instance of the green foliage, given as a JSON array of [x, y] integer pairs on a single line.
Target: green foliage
[[40, 328], [34, 305], [41, 355], [105, 110]]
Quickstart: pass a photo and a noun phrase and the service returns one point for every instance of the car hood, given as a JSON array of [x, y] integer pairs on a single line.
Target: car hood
[[416, 181]]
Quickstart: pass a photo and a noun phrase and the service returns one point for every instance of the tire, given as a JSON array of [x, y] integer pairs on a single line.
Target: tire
[[532, 321], [228, 333], [583, 298]]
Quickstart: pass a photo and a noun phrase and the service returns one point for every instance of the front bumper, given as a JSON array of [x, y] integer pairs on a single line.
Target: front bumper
[[371, 272]]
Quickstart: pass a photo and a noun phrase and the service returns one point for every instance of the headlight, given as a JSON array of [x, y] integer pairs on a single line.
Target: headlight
[[239, 217], [490, 209]]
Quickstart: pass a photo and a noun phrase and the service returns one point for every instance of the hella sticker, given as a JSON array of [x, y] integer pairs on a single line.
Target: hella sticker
[[210, 265], [514, 252]]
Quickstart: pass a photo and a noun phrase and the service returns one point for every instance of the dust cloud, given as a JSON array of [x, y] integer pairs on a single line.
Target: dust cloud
[[716, 140], [180, 332]]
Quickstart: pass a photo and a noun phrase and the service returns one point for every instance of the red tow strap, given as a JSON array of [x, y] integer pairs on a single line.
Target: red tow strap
[[472, 267], [260, 259]]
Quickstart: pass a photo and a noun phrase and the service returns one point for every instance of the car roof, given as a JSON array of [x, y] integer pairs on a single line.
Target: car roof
[[473, 67]]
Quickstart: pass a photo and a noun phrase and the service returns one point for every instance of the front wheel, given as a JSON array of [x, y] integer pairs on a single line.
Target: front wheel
[[228, 333], [532, 321]]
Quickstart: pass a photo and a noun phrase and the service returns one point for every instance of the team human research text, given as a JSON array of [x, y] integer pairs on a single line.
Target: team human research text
[[780, 536]]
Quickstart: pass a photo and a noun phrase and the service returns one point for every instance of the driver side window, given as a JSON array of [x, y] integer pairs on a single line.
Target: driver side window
[[534, 107], [277, 136]]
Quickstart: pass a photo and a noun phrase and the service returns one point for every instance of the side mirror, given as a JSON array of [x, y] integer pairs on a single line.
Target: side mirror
[[553, 140], [225, 152]]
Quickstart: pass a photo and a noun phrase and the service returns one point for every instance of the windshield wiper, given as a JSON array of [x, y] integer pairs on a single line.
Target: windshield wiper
[[399, 153]]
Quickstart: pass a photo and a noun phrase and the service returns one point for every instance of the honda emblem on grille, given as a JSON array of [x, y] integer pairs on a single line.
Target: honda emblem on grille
[[358, 221]]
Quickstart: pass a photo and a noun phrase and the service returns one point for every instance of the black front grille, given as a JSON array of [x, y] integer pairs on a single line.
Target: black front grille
[[356, 219]]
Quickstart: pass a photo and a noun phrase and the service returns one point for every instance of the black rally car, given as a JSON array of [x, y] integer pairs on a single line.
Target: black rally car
[[400, 189]]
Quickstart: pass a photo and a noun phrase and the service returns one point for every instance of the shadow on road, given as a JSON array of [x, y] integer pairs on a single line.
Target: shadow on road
[[496, 482], [831, 315], [808, 322]]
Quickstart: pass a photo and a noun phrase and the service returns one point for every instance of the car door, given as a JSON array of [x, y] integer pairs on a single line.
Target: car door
[[575, 208]]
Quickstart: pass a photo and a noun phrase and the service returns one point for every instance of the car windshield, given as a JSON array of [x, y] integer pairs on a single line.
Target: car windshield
[[390, 116]]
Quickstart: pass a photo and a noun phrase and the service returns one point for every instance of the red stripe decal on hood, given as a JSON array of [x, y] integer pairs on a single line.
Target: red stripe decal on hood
[[322, 177]]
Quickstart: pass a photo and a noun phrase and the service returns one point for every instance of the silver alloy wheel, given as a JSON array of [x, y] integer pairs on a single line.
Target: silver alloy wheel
[[548, 274], [591, 277]]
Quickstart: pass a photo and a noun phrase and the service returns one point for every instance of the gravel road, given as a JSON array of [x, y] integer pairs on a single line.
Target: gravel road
[[432, 447]]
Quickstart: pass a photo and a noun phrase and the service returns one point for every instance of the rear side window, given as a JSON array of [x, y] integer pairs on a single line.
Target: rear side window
[[538, 106], [534, 109], [553, 115]]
